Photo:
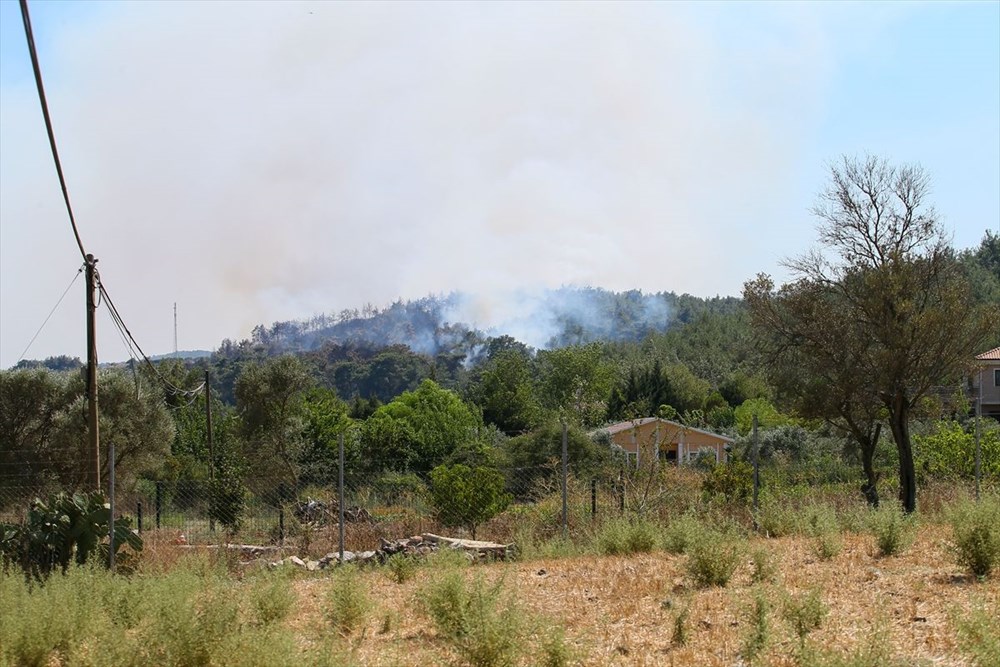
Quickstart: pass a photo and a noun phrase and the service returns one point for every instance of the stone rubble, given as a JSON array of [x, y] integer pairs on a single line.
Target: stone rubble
[[418, 546]]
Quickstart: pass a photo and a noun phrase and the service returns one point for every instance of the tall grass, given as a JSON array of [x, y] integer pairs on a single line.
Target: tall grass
[[976, 534]]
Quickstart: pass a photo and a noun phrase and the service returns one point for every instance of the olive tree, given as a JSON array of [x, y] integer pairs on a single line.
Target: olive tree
[[880, 312]]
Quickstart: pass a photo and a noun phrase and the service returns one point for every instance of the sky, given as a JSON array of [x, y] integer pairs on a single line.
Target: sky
[[254, 162]]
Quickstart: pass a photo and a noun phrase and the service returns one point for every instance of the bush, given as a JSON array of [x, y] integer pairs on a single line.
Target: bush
[[894, 530], [401, 568], [348, 604], [619, 537], [65, 529], [979, 635], [271, 597], [681, 533], [976, 534], [732, 480], [764, 569], [805, 613], [483, 623], [822, 526], [712, 559], [468, 497], [759, 628]]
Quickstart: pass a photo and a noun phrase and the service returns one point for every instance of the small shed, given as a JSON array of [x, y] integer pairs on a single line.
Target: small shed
[[653, 438]]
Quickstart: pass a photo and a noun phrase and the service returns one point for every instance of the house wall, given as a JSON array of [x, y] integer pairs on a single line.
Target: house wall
[[667, 442], [991, 392]]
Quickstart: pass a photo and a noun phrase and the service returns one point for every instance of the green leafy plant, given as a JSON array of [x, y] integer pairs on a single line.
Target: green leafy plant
[[65, 529], [805, 613], [468, 497], [712, 559], [764, 569], [481, 621], [401, 568], [760, 628], [681, 533], [348, 605], [620, 537], [976, 534], [894, 531]]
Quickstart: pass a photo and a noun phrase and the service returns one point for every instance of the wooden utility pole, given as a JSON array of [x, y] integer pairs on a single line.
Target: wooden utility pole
[[93, 435]]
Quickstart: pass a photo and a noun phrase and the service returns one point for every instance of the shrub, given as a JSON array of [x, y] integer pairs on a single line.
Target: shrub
[[468, 497], [712, 559], [732, 480], [271, 597], [619, 537], [65, 529], [979, 635], [681, 533], [764, 569], [348, 604], [894, 530], [805, 613], [401, 568], [976, 534], [680, 634], [822, 526], [759, 628], [484, 624]]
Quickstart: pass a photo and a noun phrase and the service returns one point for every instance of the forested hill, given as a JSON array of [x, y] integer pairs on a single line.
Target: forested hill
[[437, 325]]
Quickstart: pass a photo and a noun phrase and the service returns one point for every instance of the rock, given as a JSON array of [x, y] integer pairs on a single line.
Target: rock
[[312, 565], [296, 561]]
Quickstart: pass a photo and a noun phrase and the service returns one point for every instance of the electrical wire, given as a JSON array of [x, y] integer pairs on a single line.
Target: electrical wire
[[48, 121], [51, 312], [120, 323]]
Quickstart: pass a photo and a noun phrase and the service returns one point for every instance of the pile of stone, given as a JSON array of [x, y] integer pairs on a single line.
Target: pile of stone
[[317, 513], [413, 547]]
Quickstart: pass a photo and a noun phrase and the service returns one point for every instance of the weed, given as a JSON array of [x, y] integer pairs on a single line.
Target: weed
[[976, 534], [401, 568], [680, 634], [805, 613], [894, 530], [979, 635], [620, 537], [760, 627], [485, 625], [348, 604], [680, 533], [821, 524], [554, 650], [765, 570], [712, 559], [271, 597]]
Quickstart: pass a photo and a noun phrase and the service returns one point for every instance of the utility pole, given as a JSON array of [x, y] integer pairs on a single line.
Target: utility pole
[[175, 329], [93, 436]]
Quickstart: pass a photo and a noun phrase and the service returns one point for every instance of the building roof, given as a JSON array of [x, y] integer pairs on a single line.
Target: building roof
[[611, 429], [992, 355]]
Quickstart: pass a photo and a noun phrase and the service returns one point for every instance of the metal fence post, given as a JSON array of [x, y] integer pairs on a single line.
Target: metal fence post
[[593, 499], [340, 494], [565, 481], [159, 502], [281, 524], [756, 477], [138, 515]]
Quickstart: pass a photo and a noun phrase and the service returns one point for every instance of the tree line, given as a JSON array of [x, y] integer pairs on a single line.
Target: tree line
[[850, 352]]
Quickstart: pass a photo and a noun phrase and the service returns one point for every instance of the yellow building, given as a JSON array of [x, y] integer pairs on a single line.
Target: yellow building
[[652, 438]]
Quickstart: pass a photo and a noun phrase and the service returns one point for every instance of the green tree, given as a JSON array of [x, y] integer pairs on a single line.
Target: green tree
[[418, 430], [506, 394], [537, 455], [907, 317], [577, 381], [468, 497], [270, 401]]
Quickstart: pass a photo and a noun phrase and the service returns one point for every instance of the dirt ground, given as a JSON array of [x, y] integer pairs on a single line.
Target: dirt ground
[[621, 610]]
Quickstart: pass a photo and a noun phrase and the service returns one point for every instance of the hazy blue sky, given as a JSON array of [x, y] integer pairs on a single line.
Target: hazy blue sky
[[262, 161]]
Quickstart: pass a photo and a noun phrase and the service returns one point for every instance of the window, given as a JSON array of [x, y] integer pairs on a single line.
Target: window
[[996, 377]]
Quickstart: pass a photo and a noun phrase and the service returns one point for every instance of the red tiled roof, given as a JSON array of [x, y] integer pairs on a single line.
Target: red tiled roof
[[992, 355], [611, 429]]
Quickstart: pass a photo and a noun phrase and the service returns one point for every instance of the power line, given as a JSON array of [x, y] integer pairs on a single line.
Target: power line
[[120, 323], [49, 316], [48, 121]]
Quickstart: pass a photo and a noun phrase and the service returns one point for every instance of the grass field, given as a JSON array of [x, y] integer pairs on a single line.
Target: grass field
[[819, 596]]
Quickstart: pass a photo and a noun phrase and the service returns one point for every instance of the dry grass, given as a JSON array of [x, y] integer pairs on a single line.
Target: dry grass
[[615, 610]]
